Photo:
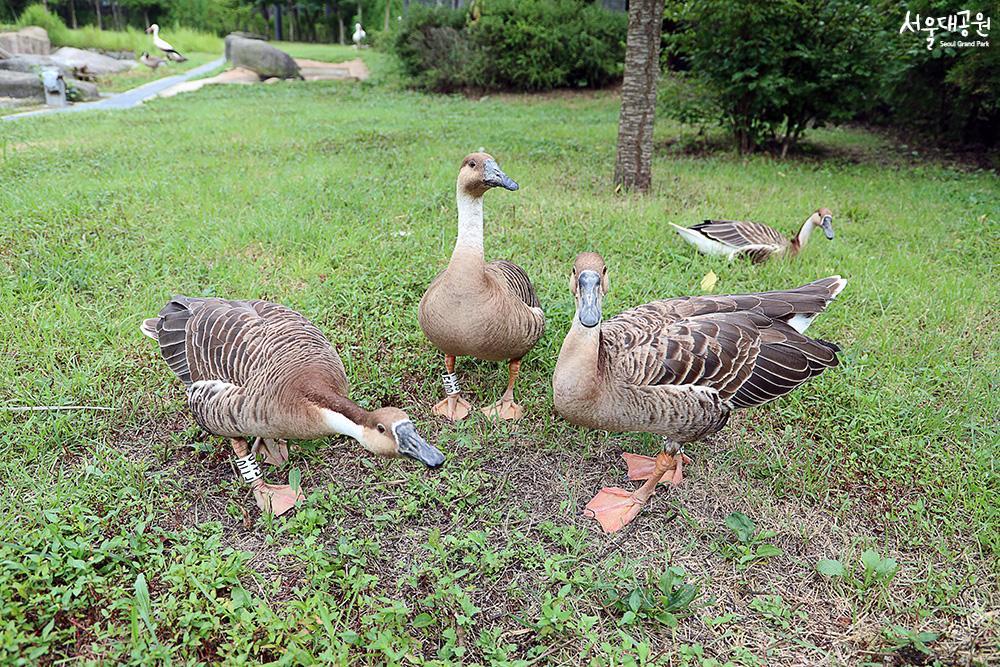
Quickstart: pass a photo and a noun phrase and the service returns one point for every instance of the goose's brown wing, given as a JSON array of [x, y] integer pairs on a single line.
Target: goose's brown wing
[[746, 357], [231, 341], [516, 279], [739, 234], [806, 301], [742, 346]]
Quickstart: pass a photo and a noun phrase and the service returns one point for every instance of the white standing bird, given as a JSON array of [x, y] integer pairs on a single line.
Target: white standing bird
[[359, 35], [164, 45]]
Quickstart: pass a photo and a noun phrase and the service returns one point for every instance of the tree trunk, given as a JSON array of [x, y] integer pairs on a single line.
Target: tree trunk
[[340, 28], [277, 22], [72, 14], [387, 4], [634, 160], [100, 22]]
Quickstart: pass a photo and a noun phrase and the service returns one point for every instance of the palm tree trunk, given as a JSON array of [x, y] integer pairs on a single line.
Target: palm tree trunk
[[634, 159], [72, 14], [100, 22]]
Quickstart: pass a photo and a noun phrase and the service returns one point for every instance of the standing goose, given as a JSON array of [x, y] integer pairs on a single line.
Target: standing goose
[[678, 367], [358, 36], [752, 240], [152, 62], [164, 45], [255, 368], [486, 310]]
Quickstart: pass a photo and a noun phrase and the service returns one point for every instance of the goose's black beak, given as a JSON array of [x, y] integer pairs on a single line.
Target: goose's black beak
[[493, 176], [589, 290], [827, 224], [413, 446]]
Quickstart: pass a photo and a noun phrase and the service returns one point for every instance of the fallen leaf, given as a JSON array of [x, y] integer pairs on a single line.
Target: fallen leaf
[[708, 282]]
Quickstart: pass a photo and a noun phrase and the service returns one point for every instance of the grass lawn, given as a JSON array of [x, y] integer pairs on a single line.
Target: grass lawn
[[130, 539]]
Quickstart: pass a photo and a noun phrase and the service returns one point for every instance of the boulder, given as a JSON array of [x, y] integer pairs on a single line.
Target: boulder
[[31, 40], [261, 57], [248, 35], [84, 90], [32, 64], [21, 85], [90, 63]]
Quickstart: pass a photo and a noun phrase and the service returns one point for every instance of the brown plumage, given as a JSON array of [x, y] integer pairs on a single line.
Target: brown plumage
[[752, 240], [678, 367], [487, 310], [259, 369]]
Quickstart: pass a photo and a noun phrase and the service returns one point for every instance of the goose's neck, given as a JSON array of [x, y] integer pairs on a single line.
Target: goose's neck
[[345, 417], [578, 369], [803, 236], [470, 225]]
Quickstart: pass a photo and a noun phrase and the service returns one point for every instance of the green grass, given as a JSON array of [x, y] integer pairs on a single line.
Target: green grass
[[128, 539]]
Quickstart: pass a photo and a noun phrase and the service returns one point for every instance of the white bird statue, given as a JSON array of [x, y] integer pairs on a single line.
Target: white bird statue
[[164, 45], [359, 35]]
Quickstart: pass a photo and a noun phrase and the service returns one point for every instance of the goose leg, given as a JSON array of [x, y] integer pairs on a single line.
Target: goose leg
[[506, 408], [275, 452], [643, 467], [273, 499], [454, 407], [614, 508]]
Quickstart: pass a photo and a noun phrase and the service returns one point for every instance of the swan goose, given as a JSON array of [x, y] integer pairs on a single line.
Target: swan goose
[[164, 45], [152, 62], [486, 310], [255, 368], [752, 240], [678, 367], [359, 35]]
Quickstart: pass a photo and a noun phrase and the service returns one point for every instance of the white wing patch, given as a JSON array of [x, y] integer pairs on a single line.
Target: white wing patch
[[704, 244]]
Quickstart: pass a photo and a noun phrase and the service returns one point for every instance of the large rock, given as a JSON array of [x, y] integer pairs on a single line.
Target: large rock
[[89, 63], [21, 85], [33, 64], [30, 40], [85, 90], [260, 57]]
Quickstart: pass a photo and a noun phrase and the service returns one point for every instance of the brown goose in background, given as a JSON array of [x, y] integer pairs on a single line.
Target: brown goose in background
[[486, 310], [152, 62], [752, 240], [678, 367], [255, 368]]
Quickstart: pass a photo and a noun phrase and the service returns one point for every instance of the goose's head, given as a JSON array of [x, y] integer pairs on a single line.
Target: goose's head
[[357, 26], [589, 283], [479, 173], [152, 29], [389, 432], [824, 218]]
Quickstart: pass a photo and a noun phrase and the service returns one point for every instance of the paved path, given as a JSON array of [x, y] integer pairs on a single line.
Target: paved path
[[129, 98]]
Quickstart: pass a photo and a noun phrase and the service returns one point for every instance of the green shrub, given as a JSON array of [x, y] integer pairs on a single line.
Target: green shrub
[[953, 94], [433, 48], [38, 15], [777, 68], [512, 44]]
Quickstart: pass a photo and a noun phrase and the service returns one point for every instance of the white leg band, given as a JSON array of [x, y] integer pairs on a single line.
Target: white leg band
[[672, 448], [249, 468], [450, 381]]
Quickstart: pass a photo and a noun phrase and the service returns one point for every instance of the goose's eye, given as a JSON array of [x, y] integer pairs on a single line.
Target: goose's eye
[[381, 429], [472, 163]]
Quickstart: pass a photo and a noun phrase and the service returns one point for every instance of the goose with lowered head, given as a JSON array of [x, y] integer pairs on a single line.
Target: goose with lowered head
[[679, 367], [752, 240], [476, 308], [255, 368], [359, 35]]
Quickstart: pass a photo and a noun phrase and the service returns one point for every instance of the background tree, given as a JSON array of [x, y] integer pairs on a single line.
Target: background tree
[[634, 155]]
